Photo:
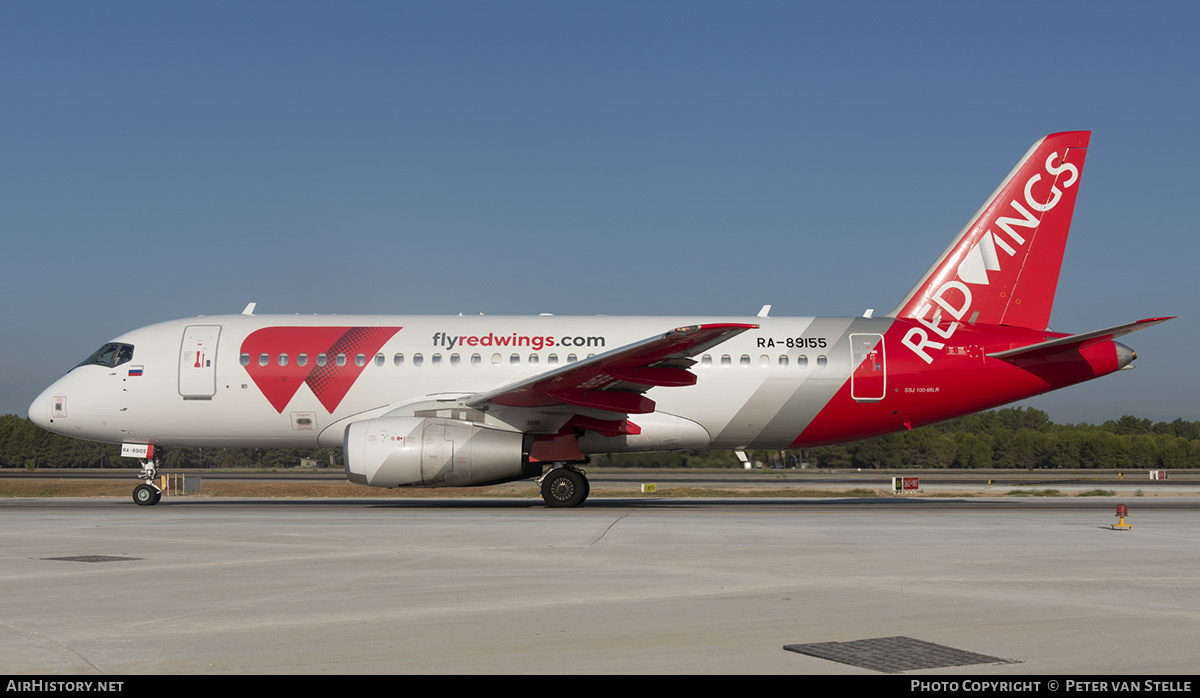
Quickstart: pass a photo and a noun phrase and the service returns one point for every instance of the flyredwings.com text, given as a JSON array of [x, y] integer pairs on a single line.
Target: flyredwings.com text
[[537, 343]]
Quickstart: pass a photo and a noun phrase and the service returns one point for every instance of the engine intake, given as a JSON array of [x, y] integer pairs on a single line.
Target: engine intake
[[392, 451]]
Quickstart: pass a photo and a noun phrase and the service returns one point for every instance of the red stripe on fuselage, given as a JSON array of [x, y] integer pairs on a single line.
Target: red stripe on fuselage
[[960, 380]]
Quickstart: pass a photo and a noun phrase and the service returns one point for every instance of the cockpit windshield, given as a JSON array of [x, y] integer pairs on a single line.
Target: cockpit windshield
[[110, 355]]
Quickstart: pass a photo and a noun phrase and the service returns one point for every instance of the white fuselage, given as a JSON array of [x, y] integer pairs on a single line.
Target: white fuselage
[[756, 390]]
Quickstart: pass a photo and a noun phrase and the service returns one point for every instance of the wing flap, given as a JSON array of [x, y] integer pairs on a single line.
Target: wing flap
[[613, 381]]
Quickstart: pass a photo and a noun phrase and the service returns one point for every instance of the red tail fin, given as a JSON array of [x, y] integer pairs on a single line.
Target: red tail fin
[[1002, 269]]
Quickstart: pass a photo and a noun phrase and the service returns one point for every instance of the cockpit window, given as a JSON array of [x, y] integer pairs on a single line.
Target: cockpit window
[[110, 355]]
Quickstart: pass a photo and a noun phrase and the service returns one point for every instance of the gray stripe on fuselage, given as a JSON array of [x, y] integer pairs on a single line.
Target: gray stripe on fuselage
[[784, 406]]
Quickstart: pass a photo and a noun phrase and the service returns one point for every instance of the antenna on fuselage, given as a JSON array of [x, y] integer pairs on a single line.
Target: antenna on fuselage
[[249, 309]]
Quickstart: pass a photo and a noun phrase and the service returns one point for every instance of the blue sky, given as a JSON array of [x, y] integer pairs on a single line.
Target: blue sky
[[164, 160]]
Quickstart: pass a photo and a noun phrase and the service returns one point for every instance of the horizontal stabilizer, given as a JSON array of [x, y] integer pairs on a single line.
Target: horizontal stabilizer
[[1075, 341]]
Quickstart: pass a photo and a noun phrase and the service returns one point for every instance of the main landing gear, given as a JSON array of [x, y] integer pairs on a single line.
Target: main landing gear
[[147, 494], [564, 486]]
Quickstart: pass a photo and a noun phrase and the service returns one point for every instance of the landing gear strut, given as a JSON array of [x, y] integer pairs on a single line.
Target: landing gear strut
[[564, 486], [147, 494]]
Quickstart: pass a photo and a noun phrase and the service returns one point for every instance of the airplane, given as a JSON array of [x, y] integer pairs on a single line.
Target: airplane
[[475, 400]]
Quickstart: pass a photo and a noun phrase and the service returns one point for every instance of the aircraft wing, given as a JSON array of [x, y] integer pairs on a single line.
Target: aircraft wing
[[616, 380], [1075, 341]]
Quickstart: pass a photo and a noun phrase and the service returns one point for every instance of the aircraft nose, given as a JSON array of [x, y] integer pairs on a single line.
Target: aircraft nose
[[39, 409], [1125, 355], [74, 405]]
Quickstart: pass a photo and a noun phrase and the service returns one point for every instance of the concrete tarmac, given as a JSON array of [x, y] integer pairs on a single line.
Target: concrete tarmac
[[693, 586]]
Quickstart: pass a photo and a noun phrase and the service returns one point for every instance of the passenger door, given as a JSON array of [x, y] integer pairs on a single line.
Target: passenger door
[[198, 362], [868, 383]]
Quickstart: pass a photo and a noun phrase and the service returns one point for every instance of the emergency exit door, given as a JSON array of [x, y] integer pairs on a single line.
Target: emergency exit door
[[198, 362], [868, 383]]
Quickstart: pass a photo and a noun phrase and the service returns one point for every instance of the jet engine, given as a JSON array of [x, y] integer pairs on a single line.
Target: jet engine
[[392, 451]]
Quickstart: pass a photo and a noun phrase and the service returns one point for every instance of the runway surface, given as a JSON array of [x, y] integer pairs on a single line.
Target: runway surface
[[617, 586], [1178, 479]]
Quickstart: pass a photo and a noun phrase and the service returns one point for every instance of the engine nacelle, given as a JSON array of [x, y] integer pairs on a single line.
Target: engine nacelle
[[433, 452]]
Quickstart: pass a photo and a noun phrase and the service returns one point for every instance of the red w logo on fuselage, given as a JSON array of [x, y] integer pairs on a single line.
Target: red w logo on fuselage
[[325, 358]]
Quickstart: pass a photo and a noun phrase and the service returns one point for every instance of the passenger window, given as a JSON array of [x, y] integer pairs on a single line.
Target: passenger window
[[802, 361], [476, 359], [379, 359], [783, 361], [706, 360], [283, 359], [360, 359], [552, 360], [341, 359], [726, 361], [533, 359], [436, 360], [821, 361], [745, 361], [264, 359], [514, 360], [496, 359], [398, 360], [571, 358], [764, 361], [245, 359], [302, 359], [322, 359], [418, 359], [455, 359]]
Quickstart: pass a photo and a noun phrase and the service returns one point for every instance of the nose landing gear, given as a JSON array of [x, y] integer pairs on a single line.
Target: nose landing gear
[[147, 494]]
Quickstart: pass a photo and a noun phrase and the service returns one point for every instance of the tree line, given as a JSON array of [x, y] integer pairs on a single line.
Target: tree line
[[1006, 438], [23, 444], [1025, 438]]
